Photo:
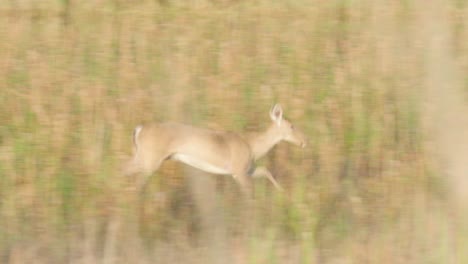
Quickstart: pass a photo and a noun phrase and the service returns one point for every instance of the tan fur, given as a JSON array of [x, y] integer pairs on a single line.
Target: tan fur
[[219, 152]]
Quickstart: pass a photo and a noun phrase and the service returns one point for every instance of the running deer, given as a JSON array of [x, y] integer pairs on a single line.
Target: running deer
[[212, 151]]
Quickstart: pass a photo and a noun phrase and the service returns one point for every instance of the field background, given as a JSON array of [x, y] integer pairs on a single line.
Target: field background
[[379, 87]]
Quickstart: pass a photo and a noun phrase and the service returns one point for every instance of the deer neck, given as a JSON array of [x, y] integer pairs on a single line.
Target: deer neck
[[260, 143]]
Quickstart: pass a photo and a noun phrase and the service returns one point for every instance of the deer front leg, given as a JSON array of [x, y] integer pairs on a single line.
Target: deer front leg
[[245, 182], [265, 173]]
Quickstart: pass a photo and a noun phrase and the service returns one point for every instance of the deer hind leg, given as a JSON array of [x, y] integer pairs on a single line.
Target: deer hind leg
[[148, 168], [131, 167], [141, 163], [146, 163], [262, 172]]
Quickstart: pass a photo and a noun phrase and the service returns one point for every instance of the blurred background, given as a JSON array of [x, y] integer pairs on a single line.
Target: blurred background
[[379, 87]]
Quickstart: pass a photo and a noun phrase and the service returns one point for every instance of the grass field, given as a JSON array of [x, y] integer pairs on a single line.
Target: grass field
[[359, 77]]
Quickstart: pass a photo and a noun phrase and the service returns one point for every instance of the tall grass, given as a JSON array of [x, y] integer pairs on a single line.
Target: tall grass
[[77, 77]]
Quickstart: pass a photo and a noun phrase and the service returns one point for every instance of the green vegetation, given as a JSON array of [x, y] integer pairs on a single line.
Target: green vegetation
[[77, 76]]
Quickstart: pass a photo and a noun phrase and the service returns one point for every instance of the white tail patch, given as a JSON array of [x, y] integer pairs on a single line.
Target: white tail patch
[[136, 132]]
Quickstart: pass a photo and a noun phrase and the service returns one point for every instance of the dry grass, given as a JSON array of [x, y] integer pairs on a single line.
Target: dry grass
[[76, 78]]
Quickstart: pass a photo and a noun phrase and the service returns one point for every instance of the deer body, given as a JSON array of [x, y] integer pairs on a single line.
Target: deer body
[[208, 150], [217, 152]]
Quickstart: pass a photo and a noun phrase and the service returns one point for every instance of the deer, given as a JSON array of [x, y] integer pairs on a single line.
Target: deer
[[212, 151]]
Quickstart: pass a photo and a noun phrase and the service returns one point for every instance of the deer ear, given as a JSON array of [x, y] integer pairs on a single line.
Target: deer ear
[[276, 114]]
